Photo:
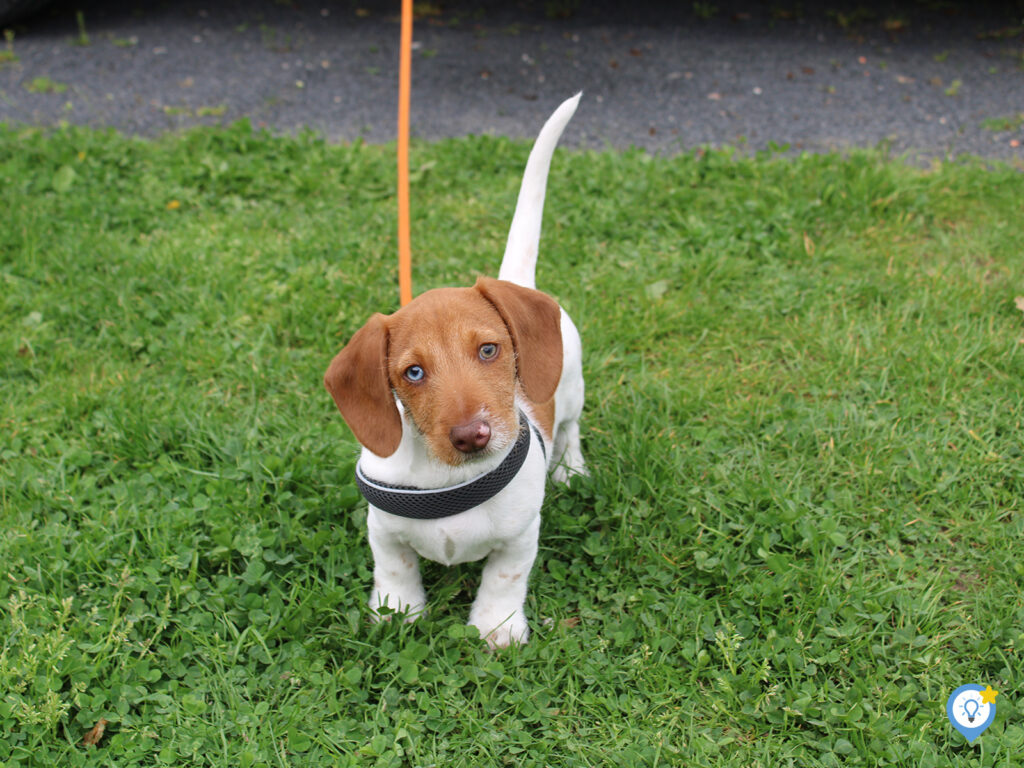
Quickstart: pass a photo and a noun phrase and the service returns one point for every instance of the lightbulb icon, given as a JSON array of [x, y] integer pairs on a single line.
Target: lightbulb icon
[[971, 708]]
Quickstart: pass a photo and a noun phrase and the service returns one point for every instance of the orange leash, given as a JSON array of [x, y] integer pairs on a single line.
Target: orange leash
[[404, 91]]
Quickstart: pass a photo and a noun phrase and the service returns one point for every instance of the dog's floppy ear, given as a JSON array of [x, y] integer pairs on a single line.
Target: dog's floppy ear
[[357, 379], [534, 321]]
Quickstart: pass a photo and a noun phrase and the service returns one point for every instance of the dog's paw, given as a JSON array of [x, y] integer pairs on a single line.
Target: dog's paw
[[502, 633], [385, 605]]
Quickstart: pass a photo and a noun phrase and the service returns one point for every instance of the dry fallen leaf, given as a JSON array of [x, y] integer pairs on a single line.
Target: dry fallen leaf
[[1019, 302], [570, 622], [808, 245], [92, 738]]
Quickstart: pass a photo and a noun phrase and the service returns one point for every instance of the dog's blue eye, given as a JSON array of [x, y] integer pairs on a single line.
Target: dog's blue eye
[[488, 351], [414, 374]]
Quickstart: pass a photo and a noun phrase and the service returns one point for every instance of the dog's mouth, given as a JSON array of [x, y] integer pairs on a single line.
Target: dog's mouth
[[460, 449], [471, 443]]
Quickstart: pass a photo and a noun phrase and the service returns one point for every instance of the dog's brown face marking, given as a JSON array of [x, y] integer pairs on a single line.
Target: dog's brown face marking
[[456, 358], [452, 363]]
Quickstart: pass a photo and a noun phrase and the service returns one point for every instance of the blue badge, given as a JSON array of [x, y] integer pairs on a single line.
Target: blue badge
[[971, 709]]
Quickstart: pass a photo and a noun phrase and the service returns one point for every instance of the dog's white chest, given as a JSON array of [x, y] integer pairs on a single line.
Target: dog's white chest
[[456, 542], [477, 532]]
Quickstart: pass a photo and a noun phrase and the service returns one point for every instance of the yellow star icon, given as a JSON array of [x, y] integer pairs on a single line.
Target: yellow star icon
[[988, 696]]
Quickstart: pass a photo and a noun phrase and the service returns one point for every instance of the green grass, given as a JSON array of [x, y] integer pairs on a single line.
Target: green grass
[[805, 405], [1002, 124]]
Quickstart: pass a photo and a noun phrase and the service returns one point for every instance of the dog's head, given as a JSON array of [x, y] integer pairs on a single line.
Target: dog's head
[[453, 357]]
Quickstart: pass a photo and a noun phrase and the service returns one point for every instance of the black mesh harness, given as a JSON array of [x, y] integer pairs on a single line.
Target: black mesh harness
[[434, 503]]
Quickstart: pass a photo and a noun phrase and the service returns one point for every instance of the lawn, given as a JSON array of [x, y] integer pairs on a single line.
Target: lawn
[[803, 528]]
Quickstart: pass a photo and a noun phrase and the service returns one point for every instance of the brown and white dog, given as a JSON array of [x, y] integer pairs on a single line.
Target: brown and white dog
[[435, 393]]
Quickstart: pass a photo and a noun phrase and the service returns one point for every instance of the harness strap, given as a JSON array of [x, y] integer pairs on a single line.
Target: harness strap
[[434, 503]]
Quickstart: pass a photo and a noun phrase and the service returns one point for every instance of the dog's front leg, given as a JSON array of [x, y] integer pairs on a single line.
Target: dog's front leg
[[396, 576], [498, 610]]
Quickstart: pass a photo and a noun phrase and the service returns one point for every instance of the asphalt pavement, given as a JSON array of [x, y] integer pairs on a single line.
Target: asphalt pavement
[[934, 79]]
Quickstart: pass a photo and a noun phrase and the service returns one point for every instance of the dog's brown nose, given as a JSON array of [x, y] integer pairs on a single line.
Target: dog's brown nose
[[471, 437]]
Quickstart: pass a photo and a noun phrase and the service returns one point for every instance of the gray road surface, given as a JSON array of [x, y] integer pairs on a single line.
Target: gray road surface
[[933, 79]]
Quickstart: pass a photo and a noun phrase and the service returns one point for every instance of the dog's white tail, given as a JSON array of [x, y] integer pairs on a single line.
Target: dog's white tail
[[519, 264]]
